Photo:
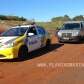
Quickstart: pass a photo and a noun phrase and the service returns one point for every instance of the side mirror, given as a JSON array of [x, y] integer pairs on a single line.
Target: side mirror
[[30, 34]]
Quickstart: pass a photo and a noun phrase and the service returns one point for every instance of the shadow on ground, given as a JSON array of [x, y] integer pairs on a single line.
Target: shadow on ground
[[81, 41], [37, 53]]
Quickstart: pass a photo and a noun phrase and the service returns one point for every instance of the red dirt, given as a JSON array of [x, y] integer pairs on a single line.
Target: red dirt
[[31, 70]]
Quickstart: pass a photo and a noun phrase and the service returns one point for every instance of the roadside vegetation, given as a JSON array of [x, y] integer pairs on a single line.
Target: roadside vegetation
[[55, 23]]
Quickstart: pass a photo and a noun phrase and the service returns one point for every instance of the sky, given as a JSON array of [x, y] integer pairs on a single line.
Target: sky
[[42, 10]]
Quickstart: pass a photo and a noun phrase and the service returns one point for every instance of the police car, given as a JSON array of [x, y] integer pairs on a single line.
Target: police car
[[20, 40]]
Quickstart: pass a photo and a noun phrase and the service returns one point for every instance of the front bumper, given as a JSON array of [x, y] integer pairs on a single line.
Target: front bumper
[[69, 39], [8, 53]]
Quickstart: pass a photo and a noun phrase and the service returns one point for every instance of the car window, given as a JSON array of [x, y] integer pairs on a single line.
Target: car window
[[71, 26], [32, 30], [23, 30], [41, 31], [11, 32], [14, 32], [82, 26]]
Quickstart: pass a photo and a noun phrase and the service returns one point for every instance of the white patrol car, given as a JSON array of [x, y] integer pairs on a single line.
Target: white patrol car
[[20, 40]]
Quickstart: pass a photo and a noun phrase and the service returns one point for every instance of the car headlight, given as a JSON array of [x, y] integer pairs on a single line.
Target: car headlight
[[59, 34], [75, 34], [7, 45]]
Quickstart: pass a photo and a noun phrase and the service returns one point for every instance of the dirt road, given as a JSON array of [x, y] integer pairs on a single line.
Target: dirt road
[[40, 67]]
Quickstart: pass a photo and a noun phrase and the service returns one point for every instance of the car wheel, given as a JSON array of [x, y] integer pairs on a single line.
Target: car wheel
[[60, 41], [23, 52], [48, 43]]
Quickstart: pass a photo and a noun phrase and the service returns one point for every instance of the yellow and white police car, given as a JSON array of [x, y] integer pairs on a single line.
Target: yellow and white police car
[[20, 40]]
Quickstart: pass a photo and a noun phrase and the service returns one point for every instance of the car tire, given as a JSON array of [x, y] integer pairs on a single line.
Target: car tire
[[23, 52], [48, 43], [59, 41]]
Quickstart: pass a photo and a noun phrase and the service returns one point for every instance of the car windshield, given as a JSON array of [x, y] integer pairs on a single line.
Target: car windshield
[[71, 26], [14, 32]]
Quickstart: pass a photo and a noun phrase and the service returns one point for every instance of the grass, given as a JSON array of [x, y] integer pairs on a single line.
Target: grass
[[48, 25]]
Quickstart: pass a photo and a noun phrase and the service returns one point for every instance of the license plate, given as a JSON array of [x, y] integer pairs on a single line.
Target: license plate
[[66, 38]]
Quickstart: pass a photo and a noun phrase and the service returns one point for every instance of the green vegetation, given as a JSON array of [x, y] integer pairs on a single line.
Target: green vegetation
[[15, 18], [56, 22], [50, 25], [61, 18], [78, 18]]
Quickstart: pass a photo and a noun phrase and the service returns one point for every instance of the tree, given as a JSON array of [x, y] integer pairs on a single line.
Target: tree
[[61, 18], [66, 18], [16, 18], [78, 18], [23, 19], [2, 17]]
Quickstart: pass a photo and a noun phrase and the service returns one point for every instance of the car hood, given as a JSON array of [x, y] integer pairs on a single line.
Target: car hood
[[7, 39]]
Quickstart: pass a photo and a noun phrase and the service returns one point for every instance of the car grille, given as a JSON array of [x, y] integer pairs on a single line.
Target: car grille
[[69, 35]]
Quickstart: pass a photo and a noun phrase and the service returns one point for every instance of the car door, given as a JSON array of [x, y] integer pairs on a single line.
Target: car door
[[82, 30], [33, 42], [42, 36]]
